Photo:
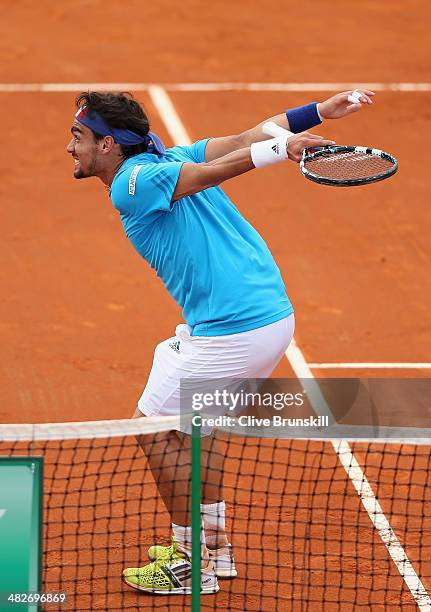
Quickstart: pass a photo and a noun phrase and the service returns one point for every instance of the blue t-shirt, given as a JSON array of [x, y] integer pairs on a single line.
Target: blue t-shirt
[[211, 260]]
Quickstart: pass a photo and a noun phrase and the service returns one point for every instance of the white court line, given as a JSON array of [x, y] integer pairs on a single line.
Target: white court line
[[297, 86], [370, 365], [280, 87], [167, 111], [302, 370], [364, 490]]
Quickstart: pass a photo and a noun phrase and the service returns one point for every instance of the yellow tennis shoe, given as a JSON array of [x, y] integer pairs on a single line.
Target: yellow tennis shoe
[[170, 574], [222, 558]]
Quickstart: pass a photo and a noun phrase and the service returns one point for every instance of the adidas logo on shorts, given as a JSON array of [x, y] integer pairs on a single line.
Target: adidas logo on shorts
[[175, 346]]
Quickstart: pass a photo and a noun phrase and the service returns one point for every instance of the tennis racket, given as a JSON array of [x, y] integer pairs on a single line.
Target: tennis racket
[[341, 166]]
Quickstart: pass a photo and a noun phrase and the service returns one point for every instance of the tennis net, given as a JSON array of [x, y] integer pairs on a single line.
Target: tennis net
[[314, 524]]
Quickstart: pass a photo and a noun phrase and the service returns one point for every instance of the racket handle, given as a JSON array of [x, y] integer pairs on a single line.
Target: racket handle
[[272, 129]]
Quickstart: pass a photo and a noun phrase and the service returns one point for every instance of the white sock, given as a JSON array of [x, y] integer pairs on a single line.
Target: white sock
[[214, 521], [183, 535]]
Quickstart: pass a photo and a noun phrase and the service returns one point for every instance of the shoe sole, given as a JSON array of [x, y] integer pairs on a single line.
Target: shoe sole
[[176, 591]]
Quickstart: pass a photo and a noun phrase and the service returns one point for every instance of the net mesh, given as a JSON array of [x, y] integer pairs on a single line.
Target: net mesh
[[301, 537], [348, 165]]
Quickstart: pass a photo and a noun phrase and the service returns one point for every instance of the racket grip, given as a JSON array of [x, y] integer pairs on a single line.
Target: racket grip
[[272, 129]]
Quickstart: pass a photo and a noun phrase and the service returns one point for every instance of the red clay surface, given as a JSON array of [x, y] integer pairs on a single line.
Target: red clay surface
[[81, 313]]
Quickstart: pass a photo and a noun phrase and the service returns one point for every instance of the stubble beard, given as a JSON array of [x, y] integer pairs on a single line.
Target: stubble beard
[[81, 174]]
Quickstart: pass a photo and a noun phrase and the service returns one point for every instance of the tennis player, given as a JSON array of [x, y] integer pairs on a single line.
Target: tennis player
[[238, 318]]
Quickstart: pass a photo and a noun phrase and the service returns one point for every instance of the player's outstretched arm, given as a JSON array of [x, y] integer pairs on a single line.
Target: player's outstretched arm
[[335, 107], [197, 177]]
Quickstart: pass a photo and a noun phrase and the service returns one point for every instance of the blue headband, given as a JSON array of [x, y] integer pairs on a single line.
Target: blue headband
[[121, 136]]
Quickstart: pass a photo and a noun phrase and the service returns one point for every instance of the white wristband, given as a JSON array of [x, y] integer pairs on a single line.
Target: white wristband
[[269, 152]]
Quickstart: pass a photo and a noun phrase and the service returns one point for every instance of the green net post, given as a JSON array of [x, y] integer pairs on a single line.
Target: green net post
[[196, 513]]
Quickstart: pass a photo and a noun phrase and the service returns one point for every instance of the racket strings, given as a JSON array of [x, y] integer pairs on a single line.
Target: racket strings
[[348, 165]]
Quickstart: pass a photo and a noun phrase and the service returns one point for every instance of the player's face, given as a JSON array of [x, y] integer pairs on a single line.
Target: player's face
[[83, 148]]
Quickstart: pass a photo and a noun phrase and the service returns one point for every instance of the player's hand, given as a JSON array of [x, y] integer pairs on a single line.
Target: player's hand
[[345, 103], [304, 140]]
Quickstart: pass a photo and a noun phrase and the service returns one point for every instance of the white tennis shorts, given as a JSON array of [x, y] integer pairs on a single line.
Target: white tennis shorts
[[248, 355]]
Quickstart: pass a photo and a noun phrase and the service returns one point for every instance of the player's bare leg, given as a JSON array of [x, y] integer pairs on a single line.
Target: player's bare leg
[[169, 458]]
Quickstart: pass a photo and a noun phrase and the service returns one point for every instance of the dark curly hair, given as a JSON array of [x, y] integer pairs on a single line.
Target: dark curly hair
[[119, 110]]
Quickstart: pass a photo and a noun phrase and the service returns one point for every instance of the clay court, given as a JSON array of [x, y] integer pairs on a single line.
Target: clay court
[[81, 312]]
